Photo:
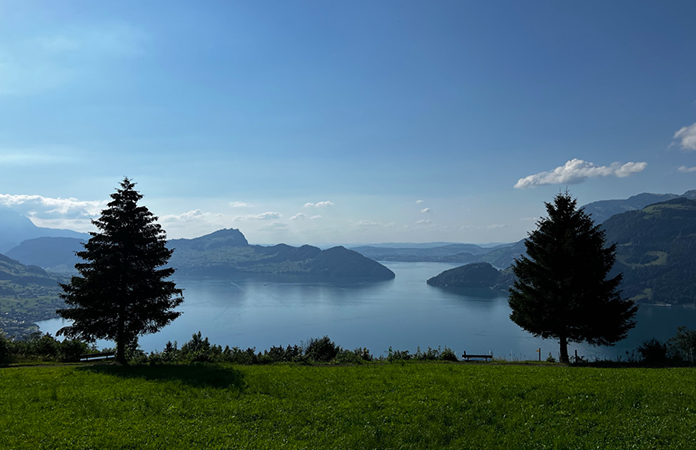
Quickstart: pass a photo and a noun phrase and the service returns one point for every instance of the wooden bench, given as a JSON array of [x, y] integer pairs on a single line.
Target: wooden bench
[[468, 357], [97, 356]]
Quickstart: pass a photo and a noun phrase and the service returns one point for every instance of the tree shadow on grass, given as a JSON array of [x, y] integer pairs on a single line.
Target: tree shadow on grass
[[200, 376]]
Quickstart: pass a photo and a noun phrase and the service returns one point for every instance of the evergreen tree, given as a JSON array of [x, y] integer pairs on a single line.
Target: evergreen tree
[[562, 289], [122, 291]]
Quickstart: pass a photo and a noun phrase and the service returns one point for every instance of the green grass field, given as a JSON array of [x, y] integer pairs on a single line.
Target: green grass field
[[380, 406]]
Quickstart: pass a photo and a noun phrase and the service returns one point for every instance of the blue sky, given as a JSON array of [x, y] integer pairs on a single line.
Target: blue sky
[[343, 122]]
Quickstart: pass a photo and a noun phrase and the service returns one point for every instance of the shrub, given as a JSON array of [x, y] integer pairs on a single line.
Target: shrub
[[683, 345], [5, 356], [321, 350], [199, 349], [653, 351], [71, 349], [448, 355], [398, 355], [45, 347]]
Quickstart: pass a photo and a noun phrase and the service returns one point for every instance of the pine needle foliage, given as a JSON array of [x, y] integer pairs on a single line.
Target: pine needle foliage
[[563, 290], [122, 291]]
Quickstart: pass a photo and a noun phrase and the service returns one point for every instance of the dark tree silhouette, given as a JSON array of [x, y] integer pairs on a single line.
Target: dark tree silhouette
[[122, 291], [562, 289]]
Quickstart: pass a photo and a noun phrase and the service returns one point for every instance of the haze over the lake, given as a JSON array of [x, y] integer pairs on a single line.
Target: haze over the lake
[[343, 122]]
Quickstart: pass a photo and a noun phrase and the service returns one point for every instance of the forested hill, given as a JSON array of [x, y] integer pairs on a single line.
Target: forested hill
[[227, 251], [602, 210], [27, 294], [655, 251]]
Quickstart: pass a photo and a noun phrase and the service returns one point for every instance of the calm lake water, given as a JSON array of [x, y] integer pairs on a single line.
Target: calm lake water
[[404, 313]]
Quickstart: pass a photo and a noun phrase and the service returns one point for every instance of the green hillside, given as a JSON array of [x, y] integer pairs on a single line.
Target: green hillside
[[27, 294], [655, 251], [371, 406]]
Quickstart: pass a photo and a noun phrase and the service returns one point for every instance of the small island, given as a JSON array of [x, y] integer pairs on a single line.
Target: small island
[[476, 275]]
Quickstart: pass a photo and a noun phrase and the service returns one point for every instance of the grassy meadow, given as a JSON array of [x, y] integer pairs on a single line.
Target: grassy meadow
[[379, 405]]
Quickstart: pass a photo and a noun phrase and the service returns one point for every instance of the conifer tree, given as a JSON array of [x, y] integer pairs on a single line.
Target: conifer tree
[[122, 291], [562, 289]]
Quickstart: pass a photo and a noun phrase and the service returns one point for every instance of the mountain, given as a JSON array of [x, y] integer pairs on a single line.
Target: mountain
[[604, 209], [27, 294], [16, 228], [499, 255], [55, 254], [655, 251], [227, 251], [220, 253]]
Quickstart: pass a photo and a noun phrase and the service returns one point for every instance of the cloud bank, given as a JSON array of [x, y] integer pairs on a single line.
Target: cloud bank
[[47, 207], [687, 138], [576, 171], [685, 169]]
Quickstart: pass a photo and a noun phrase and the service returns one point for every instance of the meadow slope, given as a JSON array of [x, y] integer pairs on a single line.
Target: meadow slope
[[400, 405]]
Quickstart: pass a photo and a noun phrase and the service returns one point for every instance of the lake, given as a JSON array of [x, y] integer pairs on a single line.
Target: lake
[[404, 313]]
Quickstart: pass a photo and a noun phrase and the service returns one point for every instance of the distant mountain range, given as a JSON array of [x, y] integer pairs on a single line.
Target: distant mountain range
[[223, 252], [16, 228], [227, 251], [651, 253], [604, 209], [503, 255], [655, 252]]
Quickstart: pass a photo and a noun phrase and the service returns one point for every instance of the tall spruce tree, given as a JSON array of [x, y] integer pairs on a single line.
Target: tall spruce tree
[[562, 290], [122, 291]]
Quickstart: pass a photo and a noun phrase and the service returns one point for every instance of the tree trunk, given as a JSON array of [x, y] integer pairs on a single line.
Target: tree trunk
[[121, 342], [564, 350]]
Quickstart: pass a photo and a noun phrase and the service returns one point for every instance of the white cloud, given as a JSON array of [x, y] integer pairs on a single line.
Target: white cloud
[[240, 205], [685, 169], [426, 210], [687, 136], [419, 201], [270, 215], [495, 226], [188, 216], [315, 217], [37, 206], [424, 222], [323, 204], [576, 171], [299, 216]]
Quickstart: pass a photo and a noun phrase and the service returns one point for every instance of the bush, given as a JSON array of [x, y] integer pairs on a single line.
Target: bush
[[653, 351], [45, 347], [321, 350], [682, 346], [5, 357], [71, 349], [398, 355], [199, 349], [448, 355], [238, 356]]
